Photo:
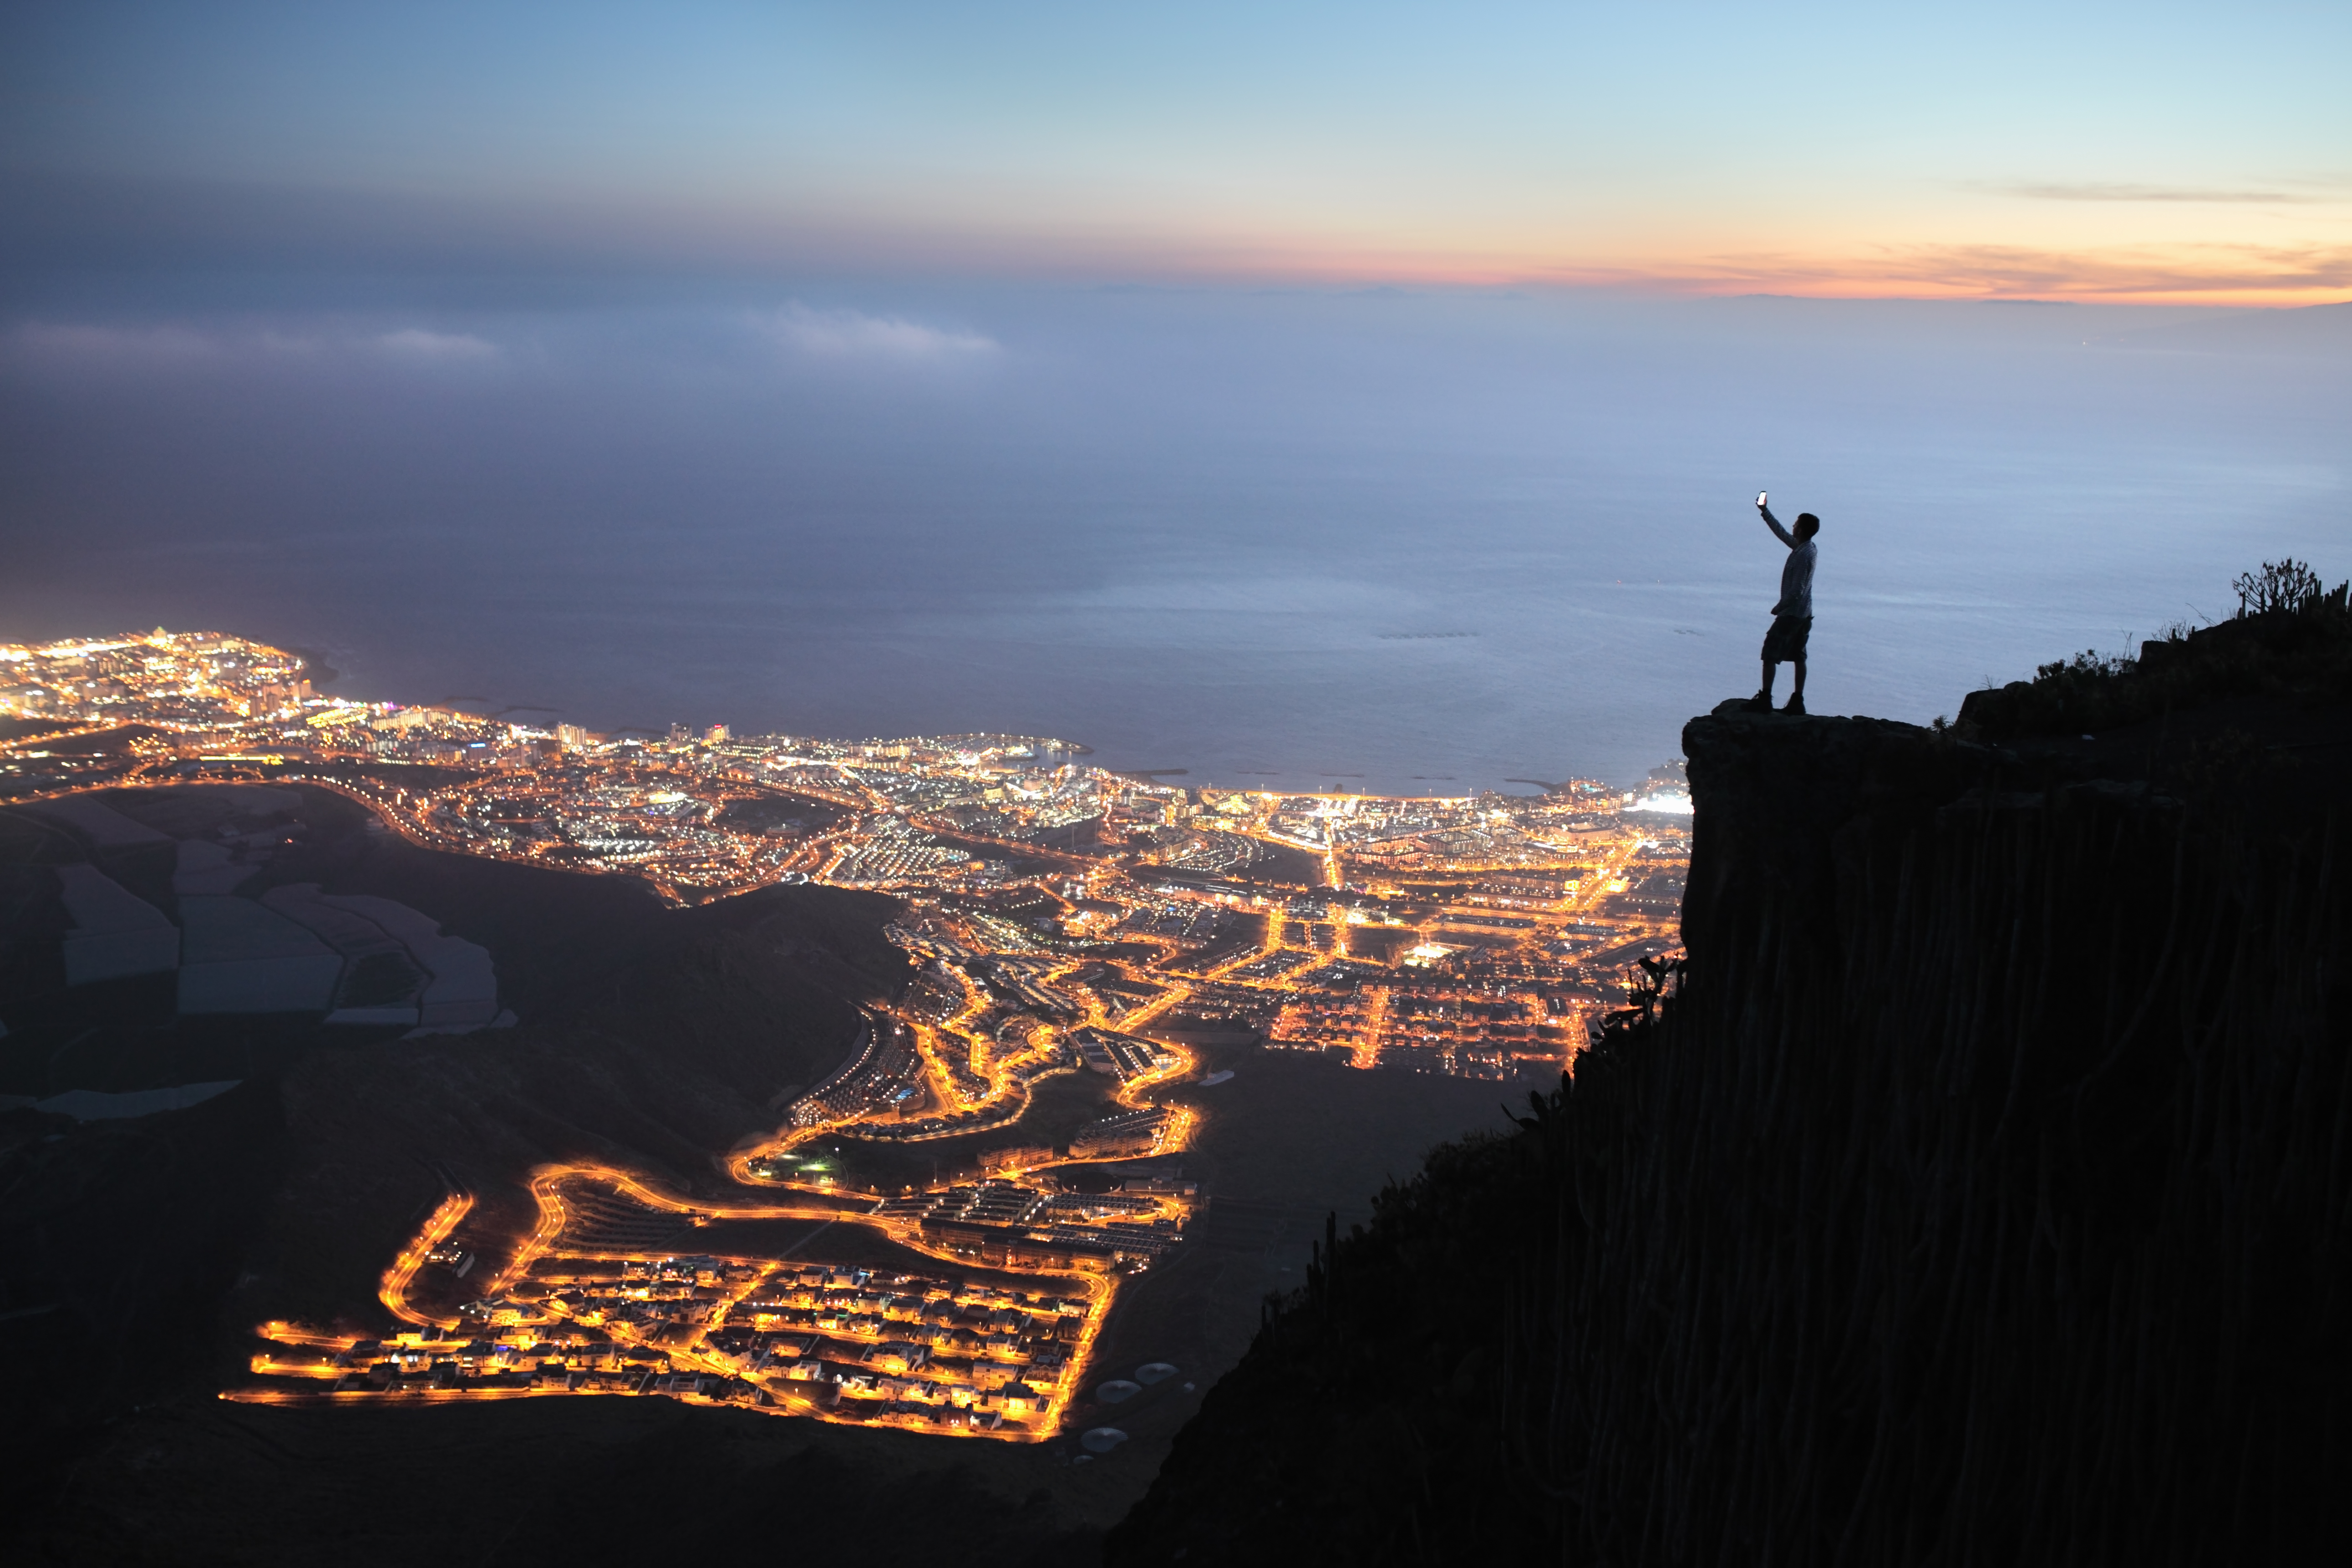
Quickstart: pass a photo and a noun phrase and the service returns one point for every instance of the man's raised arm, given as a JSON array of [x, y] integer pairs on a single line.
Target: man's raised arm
[[1774, 524]]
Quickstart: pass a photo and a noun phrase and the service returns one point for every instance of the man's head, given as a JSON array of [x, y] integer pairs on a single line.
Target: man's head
[[1808, 525]]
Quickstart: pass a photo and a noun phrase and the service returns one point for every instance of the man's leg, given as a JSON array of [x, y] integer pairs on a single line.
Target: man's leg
[[1764, 692], [1799, 693]]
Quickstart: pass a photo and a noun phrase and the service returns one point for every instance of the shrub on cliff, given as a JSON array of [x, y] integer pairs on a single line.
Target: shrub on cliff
[[2291, 638]]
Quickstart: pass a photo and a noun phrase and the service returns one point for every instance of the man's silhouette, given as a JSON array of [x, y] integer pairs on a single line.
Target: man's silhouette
[[1793, 617]]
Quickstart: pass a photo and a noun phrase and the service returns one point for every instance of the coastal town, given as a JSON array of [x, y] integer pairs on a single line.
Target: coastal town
[[932, 1235], [1477, 935]]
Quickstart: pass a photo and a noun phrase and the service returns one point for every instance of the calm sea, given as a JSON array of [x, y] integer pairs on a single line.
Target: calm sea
[[1406, 542]]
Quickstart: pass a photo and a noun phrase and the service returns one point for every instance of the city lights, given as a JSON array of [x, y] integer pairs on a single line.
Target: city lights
[[1060, 921]]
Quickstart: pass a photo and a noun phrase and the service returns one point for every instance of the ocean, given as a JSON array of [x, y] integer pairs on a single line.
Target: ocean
[[1401, 541]]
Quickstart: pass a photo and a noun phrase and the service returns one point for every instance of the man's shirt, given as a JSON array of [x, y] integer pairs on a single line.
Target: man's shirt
[[1797, 576]]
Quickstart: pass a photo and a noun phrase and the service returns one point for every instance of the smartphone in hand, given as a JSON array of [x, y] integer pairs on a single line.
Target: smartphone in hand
[[1759, 498]]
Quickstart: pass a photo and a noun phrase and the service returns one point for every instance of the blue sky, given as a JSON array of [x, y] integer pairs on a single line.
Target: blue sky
[[2134, 153]]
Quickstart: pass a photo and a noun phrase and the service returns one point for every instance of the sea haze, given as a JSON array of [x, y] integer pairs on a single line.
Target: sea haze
[[1397, 542]]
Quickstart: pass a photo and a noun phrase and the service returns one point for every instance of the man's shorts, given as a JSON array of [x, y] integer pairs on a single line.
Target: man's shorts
[[1785, 643]]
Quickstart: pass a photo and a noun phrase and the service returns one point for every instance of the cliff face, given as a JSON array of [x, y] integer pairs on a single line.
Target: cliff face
[[1980, 1191], [2041, 1080]]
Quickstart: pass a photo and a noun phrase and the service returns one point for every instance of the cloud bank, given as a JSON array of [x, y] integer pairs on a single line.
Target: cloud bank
[[2111, 190], [847, 334], [80, 342], [418, 346], [2209, 274], [156, 346]]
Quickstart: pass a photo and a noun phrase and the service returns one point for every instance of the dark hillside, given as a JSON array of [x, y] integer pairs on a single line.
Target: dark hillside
[[1978, 1192], [119, 1239], [672, 1054], [536, 1483], [137, 1254]]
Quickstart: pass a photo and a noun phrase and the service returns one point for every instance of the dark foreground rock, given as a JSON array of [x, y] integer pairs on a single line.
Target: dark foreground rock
[[1978, 1191]]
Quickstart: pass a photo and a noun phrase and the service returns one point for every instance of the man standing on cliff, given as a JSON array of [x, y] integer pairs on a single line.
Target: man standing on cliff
[[1793, 617]]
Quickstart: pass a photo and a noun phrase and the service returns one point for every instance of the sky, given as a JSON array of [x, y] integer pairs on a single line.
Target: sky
[[2125, 152], [1304, 391]]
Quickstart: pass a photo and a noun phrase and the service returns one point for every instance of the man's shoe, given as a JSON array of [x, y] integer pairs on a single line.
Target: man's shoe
[[1796, 705], [1760, 704]]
